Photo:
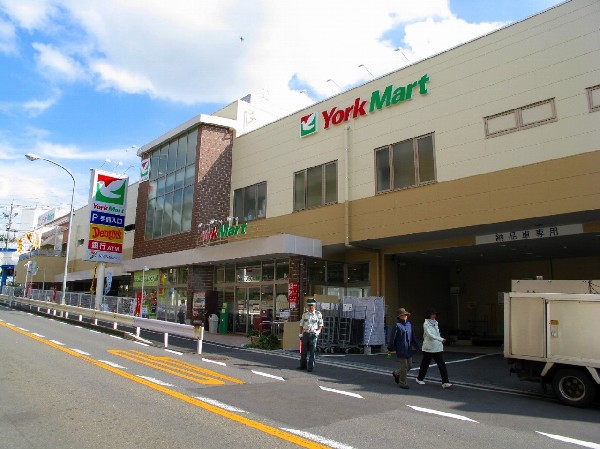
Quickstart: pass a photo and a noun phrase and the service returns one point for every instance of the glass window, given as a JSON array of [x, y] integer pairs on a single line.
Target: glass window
[[358, 272], [412, 163], [316, 270], [331, 183], [177, 211], [169, 183], [335, 272], [192, 147], [404, 164], [162, 163], [150, 219], [299, 202], [282, 269], [315, 186], [190, 174], [158, 214], [152, 185], [268, 271], [261, 200], [524, 117], [181, 152], [229, 273], [154, 164], [167, 214], [179, 179], [249, 203], [186, 212], [172, 159], [382, 168]]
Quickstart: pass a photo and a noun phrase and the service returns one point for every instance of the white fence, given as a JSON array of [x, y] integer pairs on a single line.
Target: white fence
[[45, 304]]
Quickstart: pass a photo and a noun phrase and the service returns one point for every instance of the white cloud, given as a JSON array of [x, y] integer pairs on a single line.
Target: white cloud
[[52, 62], [8, 43]]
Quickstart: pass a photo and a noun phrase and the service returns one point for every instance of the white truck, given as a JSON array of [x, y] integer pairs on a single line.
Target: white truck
[[554, 338]]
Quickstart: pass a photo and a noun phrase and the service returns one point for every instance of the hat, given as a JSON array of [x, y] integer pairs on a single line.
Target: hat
[[431, 312], [311, 302], [402, 311]]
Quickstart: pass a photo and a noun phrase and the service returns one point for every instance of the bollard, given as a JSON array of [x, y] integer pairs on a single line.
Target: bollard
[[166, 340]]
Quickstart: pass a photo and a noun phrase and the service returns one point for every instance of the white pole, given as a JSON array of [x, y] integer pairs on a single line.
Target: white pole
[[99, 284]]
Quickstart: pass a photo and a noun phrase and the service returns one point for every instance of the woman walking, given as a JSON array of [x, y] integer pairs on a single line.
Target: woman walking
[[433, 347]]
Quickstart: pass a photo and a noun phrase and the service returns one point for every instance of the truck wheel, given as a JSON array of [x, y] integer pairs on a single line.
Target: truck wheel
[[573, 387]]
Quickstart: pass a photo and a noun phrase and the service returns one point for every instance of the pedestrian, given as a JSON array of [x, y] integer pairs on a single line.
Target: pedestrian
[[181, 312], [402, 339], [311, 325], [433, 347]]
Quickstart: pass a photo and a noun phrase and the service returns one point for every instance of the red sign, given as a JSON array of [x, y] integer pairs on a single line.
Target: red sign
[[138, 304], [293, 294]]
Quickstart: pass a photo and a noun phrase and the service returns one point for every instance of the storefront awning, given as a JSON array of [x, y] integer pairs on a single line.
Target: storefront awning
[[281, 245]]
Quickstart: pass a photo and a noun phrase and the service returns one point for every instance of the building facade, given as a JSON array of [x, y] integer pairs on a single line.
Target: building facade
[[432, 186]]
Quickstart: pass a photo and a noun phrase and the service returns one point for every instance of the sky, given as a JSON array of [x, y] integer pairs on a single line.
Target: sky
[[85, 83]]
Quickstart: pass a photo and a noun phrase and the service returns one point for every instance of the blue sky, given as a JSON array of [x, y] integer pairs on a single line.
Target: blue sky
[[84, 81]]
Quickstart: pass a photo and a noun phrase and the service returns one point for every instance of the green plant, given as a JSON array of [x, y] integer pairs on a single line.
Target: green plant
[[269, 342]]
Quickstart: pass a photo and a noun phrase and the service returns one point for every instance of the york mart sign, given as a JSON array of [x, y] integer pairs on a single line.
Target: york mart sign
[[390, 96]]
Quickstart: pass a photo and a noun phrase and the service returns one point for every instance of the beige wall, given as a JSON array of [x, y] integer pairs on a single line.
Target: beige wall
[[490, 75]]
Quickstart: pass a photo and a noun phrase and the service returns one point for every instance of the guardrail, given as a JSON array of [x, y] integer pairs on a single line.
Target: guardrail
[[165, 327]]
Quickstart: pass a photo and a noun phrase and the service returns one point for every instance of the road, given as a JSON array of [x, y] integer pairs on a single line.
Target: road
[[64, 386]]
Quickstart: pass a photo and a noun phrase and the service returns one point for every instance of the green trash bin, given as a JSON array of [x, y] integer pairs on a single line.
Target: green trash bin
[[223, 318]]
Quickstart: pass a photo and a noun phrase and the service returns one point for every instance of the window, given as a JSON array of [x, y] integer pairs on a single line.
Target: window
[[315, 186], [593, 94], [405, 164], [250, 203], [520, 118], [171, 187]]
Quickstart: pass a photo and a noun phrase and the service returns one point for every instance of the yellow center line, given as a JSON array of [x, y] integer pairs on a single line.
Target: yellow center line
[[176, 367], [274, 431]]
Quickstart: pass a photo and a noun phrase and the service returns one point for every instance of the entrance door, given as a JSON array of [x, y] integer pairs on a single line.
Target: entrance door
[[247, 307]]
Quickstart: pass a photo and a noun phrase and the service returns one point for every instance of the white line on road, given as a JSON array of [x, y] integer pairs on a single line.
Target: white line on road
[[156, 381], [173, 352], [23, 329], [268, 375], [56, 342], [571, 440], [318, 439], [436, 412], [220, 405], [79, 351], [37, 335], [95, 332], [140, 343], [113, 364], [117, 337], [214, 361], [462, 360], [346, 393]]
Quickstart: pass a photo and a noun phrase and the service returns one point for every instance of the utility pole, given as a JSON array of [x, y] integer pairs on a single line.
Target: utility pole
[[9, 215]]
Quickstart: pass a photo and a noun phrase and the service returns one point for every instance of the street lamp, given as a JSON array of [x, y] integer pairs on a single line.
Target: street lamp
[[143, 278], [365, 67], [34, 157]]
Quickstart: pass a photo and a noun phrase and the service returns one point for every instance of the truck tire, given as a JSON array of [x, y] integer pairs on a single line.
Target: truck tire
[[574, 387]]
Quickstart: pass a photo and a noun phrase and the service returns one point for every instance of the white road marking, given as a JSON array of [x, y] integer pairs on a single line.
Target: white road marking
[[95, 332], [37, 335], [79, 351], [268, 375], [174, 352], [117, 337], [461, 360], [113, 364], [571, 440], [156, 381], [346, 393], [140, 343], [318, 439], [23, 329], [57, 342], [220, 405], [214, 361], [436, 412]]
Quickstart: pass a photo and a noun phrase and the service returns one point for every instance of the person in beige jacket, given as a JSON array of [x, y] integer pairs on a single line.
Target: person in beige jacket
[[433, 348]]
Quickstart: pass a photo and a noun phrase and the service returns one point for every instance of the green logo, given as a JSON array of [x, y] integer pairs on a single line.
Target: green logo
[[308, 124]]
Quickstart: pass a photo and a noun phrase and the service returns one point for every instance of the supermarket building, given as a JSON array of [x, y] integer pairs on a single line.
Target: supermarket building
[[432, 186]]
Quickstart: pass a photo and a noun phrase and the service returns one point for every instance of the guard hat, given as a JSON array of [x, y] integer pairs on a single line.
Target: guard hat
[[311, 302]]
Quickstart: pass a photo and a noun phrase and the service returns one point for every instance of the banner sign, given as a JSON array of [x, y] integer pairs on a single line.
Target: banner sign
[[108, 203], [145, 170]]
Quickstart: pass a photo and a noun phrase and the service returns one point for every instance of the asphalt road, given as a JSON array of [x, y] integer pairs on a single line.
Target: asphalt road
[[64, 386]]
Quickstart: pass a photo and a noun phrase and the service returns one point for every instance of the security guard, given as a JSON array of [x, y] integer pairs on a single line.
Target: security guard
[[311, 325]]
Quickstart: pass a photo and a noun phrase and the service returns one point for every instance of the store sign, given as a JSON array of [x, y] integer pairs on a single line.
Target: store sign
[[293, 294], [529, 234], [108, 199], [145, 170], [223, 231], [387, 97]]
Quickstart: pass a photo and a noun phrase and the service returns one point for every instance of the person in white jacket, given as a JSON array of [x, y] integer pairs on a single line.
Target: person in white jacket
[[433, 347]]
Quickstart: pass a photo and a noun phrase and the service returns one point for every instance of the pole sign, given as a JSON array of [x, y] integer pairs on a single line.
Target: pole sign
[[380, 98], [108, 203]]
